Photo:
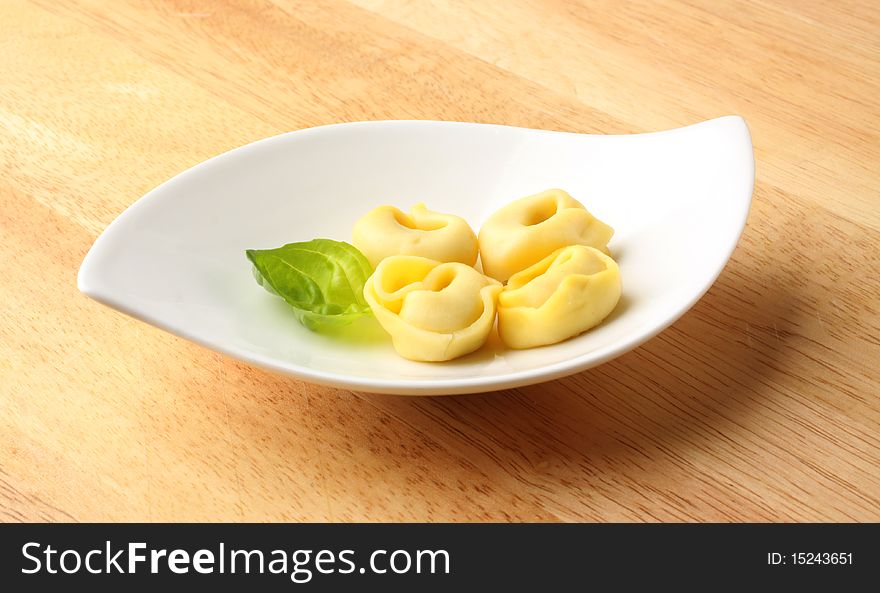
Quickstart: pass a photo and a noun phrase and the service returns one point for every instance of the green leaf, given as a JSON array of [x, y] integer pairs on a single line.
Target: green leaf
[[323, 280]]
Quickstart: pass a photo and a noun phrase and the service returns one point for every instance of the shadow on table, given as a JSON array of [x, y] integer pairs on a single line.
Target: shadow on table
[[680, 393], [630, 421]]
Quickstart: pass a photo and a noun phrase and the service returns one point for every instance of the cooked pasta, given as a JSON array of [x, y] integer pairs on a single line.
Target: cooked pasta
[[434, 311], [386, 231], [531, 228], [561, 296]]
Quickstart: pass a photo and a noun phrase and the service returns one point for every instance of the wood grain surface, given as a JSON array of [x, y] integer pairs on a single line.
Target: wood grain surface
[[761, 404]]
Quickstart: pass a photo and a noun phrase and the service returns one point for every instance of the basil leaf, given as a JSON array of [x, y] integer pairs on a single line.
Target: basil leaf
[[323, 280]]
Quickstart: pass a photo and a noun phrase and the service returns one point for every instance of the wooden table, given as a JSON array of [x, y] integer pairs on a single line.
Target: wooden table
[[762, 403]]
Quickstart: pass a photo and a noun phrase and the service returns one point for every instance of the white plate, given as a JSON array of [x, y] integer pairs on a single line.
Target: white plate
[[678, 201]]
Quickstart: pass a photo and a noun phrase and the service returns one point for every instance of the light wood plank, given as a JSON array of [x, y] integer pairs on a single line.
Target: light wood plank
[[759, 404]]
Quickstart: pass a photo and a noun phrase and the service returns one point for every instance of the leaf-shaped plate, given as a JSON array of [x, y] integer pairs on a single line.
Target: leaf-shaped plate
[[678, 201]]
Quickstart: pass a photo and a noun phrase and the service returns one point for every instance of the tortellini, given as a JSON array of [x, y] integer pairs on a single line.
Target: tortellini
[[386, 231], [531, 228], [434, 311], [426, 293], [563, 295]]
